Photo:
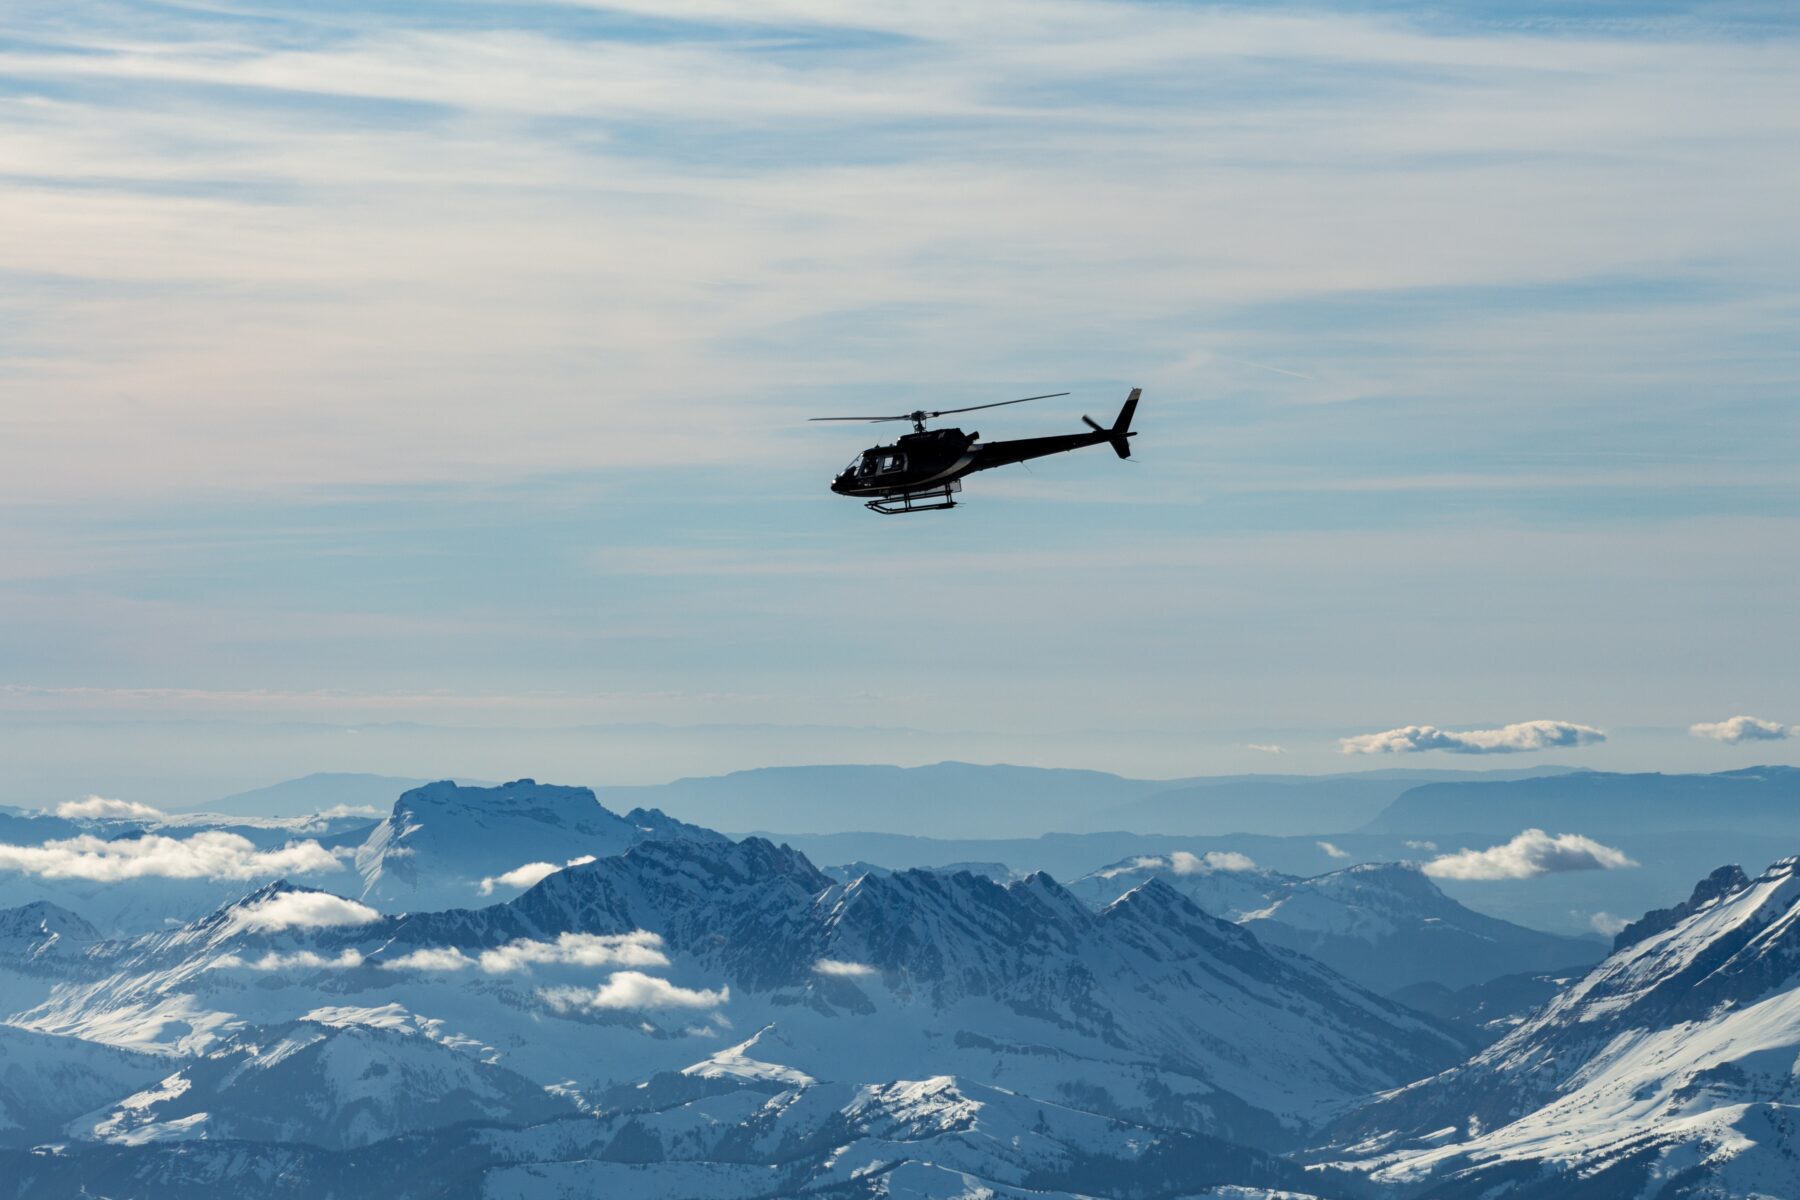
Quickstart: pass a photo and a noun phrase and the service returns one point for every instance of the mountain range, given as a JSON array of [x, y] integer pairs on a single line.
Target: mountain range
[[515, 991]]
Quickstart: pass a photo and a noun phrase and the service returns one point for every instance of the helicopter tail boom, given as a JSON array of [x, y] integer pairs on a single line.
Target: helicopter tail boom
[[1121, 426]]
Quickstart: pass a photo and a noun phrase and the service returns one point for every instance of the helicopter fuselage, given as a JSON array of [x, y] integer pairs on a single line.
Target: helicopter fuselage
[[937, 456], [933, 460]]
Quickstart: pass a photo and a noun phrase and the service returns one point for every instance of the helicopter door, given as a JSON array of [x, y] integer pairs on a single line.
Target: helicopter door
[[892, 462]]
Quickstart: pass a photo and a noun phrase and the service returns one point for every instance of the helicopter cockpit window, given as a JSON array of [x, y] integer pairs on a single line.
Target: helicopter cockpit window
[[867, 466]]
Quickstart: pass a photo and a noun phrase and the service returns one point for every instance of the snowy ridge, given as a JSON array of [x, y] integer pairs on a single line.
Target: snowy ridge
[[1675, 1055]]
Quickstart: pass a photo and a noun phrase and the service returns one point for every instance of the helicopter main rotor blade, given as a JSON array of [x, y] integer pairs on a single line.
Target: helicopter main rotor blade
[[997, 404], [905, 418]]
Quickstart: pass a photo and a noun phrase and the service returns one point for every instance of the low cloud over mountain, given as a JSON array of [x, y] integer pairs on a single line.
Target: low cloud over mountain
[[1508, 739], [1528, 855]]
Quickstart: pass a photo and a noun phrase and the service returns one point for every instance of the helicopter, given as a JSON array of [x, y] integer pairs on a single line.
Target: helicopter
[[924, 469]]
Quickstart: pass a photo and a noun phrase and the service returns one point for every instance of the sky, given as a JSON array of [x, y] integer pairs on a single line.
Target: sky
[[423, 388]]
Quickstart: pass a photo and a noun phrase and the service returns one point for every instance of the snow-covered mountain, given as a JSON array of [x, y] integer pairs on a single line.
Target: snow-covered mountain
[[337, 1078], [1672, 1064], [1385, 925], [609, 972], [445, 846], [740, 1136]]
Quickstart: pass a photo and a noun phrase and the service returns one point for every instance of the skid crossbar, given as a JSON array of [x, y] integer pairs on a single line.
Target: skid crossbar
[[929, 500]]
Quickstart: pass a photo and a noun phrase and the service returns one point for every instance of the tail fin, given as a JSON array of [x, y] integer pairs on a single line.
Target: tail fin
[[1121, 428]]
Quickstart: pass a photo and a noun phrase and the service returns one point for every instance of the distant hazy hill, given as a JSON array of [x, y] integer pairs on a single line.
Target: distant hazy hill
[[1764, 800], [317, 793], [953, 799], [1289, 804]]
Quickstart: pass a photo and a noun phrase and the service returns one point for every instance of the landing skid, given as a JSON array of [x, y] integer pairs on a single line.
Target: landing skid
[[929, 500]]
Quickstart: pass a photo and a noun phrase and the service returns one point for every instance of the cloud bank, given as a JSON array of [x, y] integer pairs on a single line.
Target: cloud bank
[[1508, 739], [1736, 730], [1529, 855], [302, 910], [633, 990], [531, 874], [209, 855]]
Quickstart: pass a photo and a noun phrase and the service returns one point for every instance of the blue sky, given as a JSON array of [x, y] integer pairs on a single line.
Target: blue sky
[[422, 388]]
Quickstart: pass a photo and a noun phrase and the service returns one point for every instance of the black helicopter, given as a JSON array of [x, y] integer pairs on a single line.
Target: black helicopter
[[923, 471]]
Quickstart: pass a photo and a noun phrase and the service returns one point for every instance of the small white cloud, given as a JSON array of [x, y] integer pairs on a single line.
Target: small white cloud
[[633, 990], [530, 875], [431, 958], [639, 948], [848, 970], [1420, 844], [1332, 851], [1606, 923], [208, 855], [1266, 747], [99, 808], [302, 910], [1744, 729], [1529, 855], [1508, 739]]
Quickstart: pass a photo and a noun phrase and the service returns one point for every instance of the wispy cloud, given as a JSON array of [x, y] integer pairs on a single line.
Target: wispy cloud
[[1530, 854], [1332, 850], [430, 958], [308, 960], [840, 969], [1736, 730], [1508, 739], [207, 855]]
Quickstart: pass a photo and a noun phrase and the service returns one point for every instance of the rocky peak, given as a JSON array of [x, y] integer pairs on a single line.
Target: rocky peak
[[1726, 881]]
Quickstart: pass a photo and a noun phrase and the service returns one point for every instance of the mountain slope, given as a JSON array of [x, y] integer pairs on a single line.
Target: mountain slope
[[1674, 1059], [327, 1082], [1385, 925]]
